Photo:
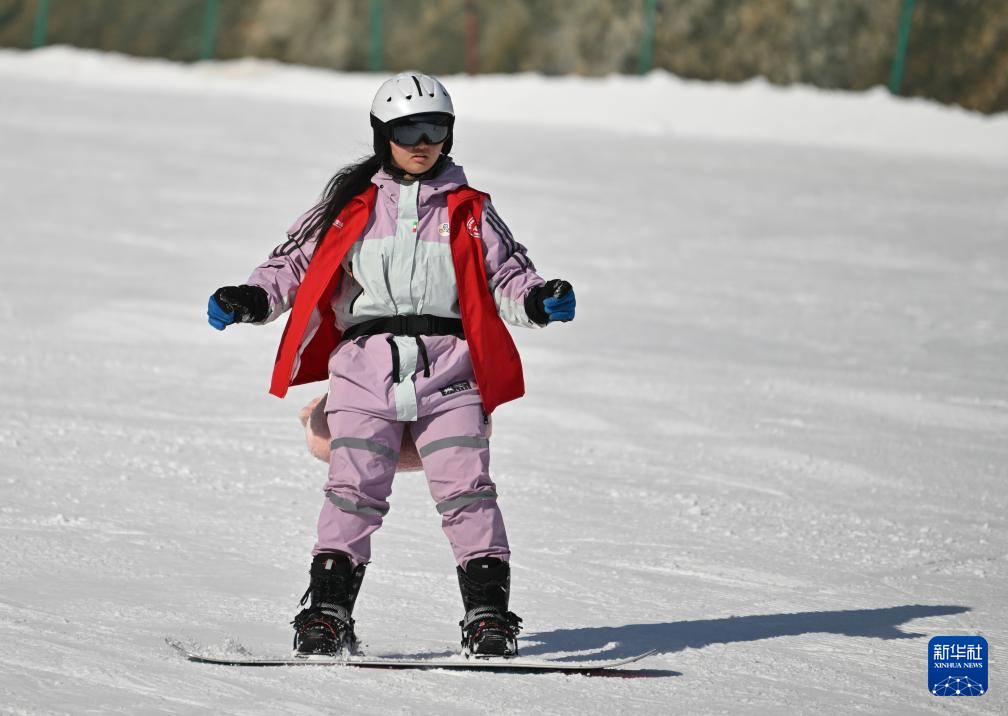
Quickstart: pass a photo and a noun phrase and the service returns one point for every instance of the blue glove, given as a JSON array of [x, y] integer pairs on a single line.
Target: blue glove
[[560, 306], [237, 304], [552, 302], [217, 316]]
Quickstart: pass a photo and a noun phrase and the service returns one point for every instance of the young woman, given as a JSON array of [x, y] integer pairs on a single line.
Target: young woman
[[399, 282]]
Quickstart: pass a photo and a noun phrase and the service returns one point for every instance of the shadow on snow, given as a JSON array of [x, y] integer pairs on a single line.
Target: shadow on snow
[[669, 637]]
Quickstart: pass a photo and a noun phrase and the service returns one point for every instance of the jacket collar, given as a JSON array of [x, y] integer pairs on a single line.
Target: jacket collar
[[451, 177]]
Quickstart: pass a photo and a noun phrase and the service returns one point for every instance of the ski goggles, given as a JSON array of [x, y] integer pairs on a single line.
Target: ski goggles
[[412, 131]]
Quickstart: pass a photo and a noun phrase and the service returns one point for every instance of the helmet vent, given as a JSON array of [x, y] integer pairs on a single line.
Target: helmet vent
[[418, 87]]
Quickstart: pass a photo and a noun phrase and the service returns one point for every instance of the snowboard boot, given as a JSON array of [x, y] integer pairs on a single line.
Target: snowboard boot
[[488, 628], [326, 626]]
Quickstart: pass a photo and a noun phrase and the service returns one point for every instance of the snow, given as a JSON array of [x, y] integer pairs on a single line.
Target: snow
[[771, 446]]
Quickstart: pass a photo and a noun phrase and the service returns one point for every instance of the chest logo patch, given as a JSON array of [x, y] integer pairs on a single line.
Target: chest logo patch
[[443, 229], [472, 227]]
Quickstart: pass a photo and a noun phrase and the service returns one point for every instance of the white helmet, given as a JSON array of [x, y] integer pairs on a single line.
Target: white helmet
[[410, 93], [407, 94]]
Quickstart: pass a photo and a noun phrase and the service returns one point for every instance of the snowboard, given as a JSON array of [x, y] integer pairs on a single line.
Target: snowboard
[[517, 663]]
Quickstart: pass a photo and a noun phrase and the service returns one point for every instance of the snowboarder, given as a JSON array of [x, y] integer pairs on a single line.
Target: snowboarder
[[397, 282]]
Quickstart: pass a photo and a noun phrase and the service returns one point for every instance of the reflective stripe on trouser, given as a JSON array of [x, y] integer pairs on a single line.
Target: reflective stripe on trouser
[[365, 450], [455, 452]]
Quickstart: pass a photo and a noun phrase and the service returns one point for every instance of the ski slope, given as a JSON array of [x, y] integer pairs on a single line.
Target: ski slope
[[772, 445]]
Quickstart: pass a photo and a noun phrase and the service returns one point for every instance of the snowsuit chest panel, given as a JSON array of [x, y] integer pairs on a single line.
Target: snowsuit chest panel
[[402, 264]]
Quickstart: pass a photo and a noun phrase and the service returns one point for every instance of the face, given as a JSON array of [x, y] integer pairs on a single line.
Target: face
[[415, 159]]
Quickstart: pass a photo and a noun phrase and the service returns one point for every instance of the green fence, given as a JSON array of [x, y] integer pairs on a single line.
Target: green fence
[[847, 44], [376, 9]]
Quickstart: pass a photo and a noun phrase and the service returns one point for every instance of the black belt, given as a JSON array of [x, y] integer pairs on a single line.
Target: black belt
[[416, 326], [423, 325]]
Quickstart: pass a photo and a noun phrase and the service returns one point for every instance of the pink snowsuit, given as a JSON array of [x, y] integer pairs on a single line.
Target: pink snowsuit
[[402, 265]]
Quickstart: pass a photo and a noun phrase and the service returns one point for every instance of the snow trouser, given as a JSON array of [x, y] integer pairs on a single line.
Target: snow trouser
[[455, 452]]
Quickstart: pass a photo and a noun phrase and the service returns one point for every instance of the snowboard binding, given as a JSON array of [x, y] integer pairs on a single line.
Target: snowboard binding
[[319, 631], [487, 632]]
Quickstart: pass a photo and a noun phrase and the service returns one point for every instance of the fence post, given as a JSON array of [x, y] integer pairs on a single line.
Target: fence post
[[647, 39], [41, 28], [902, 40], [211, 15], [377, 22]]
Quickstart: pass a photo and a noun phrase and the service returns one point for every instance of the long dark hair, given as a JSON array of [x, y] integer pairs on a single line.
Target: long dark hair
[[347, 183]]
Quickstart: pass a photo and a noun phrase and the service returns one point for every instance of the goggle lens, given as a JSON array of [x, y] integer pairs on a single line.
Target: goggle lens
[[411, 133]]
